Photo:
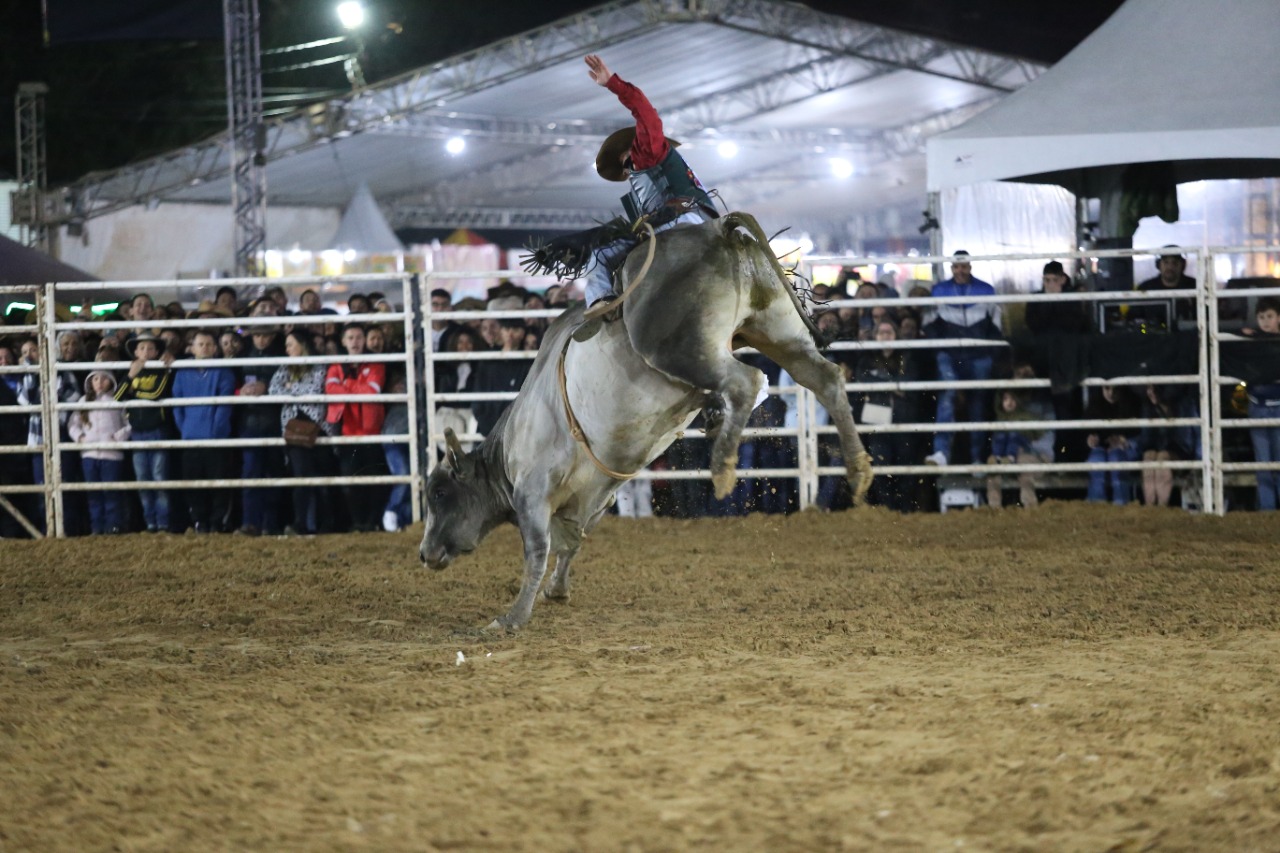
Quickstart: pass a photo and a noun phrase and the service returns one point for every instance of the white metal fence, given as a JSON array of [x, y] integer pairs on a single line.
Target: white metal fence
[[1210, 472]]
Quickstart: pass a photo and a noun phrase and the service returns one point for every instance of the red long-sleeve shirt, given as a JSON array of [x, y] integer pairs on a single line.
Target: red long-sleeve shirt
[[650, 146]]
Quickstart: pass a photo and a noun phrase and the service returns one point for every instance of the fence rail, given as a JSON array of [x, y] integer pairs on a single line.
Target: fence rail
[[422, 400]]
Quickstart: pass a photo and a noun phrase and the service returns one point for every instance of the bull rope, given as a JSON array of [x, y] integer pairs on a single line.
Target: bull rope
[[575, 428], [603, 307]]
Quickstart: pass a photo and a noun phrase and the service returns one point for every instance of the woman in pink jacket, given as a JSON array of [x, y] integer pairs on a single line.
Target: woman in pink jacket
[[106, 508]]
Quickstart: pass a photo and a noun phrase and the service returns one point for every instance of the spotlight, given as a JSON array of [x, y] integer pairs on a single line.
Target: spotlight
[[727, 149], [351, 14], [456, 145], [841, 167]]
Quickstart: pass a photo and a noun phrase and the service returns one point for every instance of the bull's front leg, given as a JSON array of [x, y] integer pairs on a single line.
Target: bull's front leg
[[534, 520]]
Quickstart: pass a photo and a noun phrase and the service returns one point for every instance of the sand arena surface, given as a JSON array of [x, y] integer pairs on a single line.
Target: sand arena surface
[[1072, 678]]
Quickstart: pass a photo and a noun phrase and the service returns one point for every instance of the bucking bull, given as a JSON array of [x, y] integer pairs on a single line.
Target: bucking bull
[[627, 393]]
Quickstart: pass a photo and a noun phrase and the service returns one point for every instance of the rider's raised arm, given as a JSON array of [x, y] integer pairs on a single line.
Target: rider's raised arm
[[650, 146]]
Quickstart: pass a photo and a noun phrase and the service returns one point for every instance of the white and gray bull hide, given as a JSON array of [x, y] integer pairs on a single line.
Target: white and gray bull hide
[[634, 387]]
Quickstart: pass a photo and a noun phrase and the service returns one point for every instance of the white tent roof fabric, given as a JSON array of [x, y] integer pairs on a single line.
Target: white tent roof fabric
[[363, 227], [791, 87], [1193, 82]]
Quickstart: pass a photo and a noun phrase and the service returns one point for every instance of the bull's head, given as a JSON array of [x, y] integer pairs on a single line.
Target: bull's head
[[459, 513]]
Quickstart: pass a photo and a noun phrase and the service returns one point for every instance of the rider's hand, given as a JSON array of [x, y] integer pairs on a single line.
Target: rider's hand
[[600, 72]]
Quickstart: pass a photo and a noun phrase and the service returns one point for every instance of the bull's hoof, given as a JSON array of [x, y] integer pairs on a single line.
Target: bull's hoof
[[498, 627], [723, 481], [559, 596], [860, 482]]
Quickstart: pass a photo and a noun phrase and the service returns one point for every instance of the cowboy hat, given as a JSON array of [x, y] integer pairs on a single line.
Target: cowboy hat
[[132, 343], [609, 158], [208, 306]]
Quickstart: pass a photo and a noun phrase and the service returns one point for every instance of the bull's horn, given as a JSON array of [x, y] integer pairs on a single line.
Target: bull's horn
[[451, 439], [456, 454]]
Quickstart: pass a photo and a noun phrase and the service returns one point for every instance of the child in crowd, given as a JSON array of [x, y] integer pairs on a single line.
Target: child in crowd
[[149, 424], [1010, 445], [1264, 402], [106, 507], [1111, 444], [210, 421], [1007, 443]]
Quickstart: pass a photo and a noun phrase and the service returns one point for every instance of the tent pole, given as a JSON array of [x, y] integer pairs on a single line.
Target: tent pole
[[934, 214]]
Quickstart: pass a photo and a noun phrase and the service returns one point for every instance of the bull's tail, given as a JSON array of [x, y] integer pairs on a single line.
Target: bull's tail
[[746, 221]]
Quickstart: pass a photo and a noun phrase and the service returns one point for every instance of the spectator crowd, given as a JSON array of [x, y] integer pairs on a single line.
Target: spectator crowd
[[976, 335]]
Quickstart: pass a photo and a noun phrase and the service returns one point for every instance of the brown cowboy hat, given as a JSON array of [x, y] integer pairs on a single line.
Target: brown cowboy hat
[[132, 343], [609, 158]]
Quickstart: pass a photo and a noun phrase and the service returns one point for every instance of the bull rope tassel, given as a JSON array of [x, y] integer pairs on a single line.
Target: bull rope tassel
[[603, 307], [575, 428]]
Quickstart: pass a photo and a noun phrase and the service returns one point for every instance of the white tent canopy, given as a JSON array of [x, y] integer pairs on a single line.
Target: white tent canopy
[[1191, 83], [363, 227]]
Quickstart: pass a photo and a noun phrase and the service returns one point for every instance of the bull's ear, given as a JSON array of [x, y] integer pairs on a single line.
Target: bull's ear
[[455, 457]]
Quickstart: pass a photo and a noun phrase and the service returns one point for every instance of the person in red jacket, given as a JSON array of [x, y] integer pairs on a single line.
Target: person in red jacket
[[358, 419]]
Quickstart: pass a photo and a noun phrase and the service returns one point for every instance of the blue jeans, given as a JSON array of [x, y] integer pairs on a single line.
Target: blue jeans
[[260, 506], [398, 463], [1266, 448], [1119, 479], [610, 256], [150, 466], [106, 508], [956, 365], [1009, 443]]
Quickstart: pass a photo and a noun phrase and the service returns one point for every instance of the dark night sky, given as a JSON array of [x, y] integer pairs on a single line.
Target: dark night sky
[[111, 103]]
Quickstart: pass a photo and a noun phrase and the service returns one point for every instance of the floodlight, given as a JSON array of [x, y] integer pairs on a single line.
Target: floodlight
[[351, 14], [456, 145], [841, 167], [727, 149]]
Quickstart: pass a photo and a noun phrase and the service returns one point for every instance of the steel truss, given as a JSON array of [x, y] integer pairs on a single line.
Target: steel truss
[[245, 129], [28, 212], [831, 53]]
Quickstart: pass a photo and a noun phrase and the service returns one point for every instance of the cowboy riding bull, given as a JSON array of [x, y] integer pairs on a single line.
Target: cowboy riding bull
[[603, 400]]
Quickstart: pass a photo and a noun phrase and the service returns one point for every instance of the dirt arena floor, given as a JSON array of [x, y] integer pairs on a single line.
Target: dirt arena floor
[[1071, 678]]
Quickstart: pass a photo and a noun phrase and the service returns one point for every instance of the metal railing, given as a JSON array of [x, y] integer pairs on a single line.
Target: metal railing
[[422, 399]]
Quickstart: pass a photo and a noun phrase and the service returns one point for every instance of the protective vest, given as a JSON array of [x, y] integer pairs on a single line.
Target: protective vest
[[671, 179]]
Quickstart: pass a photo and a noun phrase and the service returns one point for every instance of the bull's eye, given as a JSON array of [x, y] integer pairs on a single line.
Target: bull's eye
[[438, 493]]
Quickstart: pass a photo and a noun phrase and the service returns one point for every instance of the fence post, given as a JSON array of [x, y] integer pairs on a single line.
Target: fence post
[[427, 387], [413, 337], [806, 450], [1215, 498], [49, 433]]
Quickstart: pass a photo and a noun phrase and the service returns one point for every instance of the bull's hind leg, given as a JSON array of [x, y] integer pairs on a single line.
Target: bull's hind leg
[[566, 540], [557, 589], [800, 357], [737, 385]]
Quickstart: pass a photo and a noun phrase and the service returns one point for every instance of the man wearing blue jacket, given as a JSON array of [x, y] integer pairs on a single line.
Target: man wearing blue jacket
[[983, 320], [207, 507]]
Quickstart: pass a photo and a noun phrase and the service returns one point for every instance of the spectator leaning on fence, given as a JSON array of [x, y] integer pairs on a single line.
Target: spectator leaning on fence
[[1264, 402], [149, 423], [505, 375], [207, 506], [398, 511], [964, 320], [890, 406], [365, 503], [310, 514], [259, 505]]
